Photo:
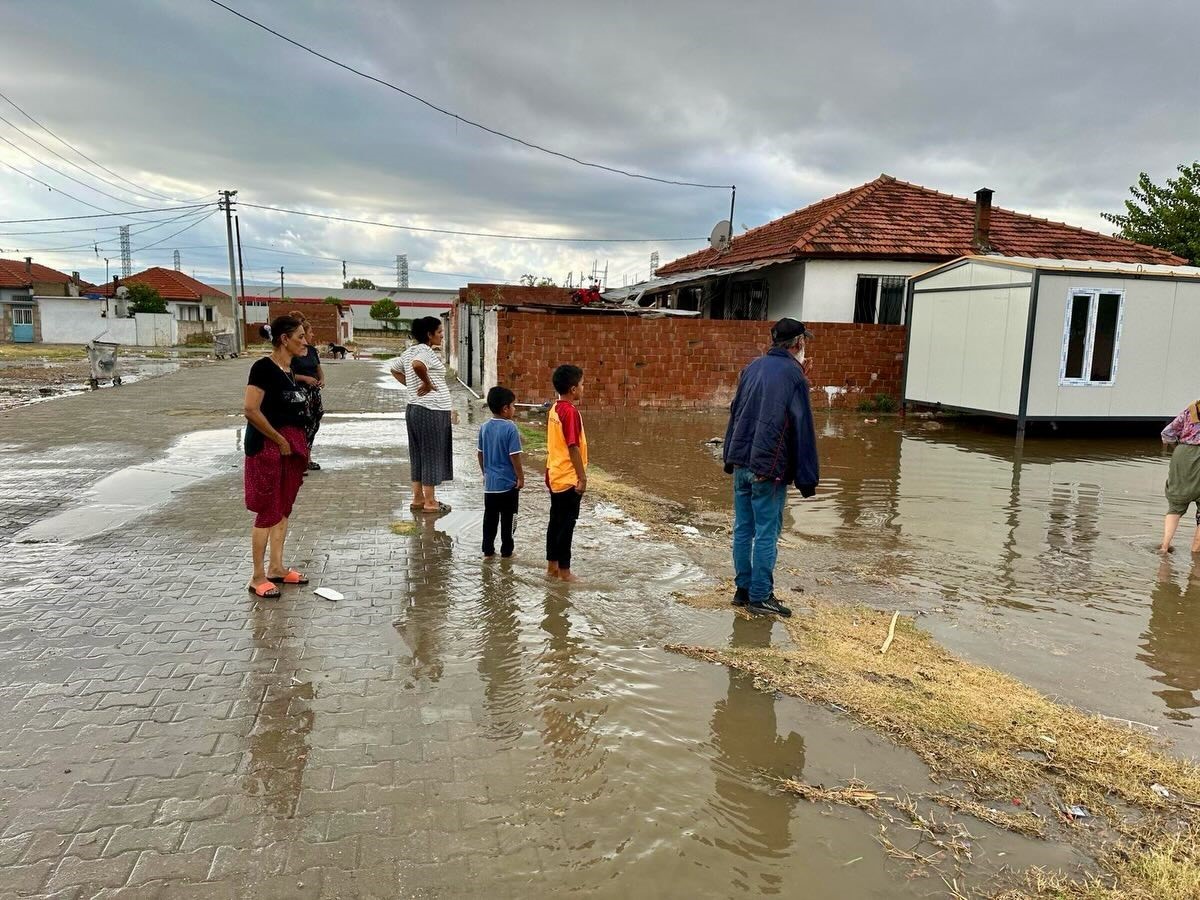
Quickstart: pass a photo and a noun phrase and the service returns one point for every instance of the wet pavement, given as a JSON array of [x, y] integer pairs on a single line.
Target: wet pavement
[[455, 727]]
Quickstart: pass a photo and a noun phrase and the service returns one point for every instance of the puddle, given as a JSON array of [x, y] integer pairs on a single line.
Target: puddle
[[1046, 554], [135, 490]]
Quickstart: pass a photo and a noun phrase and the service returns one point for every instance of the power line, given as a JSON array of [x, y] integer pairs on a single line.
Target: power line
[[58, 190], [507, 237], [146, 191], [69, 162], [458, 118], [69, 177], [175, 234], [103, 215], [89, 245]]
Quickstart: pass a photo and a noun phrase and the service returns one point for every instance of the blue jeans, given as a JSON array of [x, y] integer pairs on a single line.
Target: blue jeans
[[757, 521]]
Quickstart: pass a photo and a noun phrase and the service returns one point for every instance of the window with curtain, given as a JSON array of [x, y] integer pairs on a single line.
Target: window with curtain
[[879, 299]]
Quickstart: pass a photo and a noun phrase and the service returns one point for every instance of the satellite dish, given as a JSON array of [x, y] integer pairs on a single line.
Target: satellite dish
[[719, 239]]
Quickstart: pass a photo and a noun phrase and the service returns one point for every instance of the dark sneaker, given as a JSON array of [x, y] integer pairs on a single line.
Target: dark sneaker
[[314, 466], [741, 597], [769, 607]]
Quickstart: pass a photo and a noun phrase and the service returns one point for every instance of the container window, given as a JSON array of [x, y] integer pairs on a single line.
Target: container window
[[1091, 337]]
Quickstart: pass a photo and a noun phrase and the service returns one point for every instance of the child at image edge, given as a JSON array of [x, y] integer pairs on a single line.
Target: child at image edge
[[499, 454], [566, 469]]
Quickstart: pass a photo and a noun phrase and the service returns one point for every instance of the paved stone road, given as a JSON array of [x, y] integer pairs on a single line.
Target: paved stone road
[[450, 729]]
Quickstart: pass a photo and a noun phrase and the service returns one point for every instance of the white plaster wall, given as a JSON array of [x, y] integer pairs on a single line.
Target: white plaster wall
[[785, 289], [66, 320], [1156, 369], [829, 286]]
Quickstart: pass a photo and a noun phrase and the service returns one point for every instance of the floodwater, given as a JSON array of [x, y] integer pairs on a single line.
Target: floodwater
[[1039, 561]]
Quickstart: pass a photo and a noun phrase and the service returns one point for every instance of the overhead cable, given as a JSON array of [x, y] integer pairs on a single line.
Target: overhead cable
[[146, 191], [102, 215], [458, 118], [508, 237], [62, 174]]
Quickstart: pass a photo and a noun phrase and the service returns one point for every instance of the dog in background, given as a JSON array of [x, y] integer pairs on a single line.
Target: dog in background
[[337, 351]]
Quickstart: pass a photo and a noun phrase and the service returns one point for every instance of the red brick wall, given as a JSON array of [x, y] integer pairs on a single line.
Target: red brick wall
[[684, 362], [323, 316]]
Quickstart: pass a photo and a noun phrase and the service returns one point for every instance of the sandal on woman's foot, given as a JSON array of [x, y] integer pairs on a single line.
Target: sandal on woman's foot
[[314, 466], [265, 591], [292, 577], [440, 508]]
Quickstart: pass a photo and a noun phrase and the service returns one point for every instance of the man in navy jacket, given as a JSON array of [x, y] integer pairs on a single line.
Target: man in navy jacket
[[769, 442]]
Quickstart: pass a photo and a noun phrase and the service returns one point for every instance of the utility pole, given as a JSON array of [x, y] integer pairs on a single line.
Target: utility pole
[[281, 283], [227, 205], [343, 273], [237, 228]]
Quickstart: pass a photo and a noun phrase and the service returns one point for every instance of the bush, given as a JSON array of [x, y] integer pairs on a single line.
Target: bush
[[202, 339], [880, 403]]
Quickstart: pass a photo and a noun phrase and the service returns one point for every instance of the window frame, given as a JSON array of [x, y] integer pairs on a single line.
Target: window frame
[[879, 287], [24, 310], [1089, 341]]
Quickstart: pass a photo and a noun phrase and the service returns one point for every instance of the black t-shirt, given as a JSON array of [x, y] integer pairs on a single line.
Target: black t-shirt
[[307, 364], [283, 401]]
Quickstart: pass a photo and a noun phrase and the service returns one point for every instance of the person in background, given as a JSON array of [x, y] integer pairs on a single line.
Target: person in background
[[430, 446], [499, 455], [308, 372], [1183, 477], [276, 453], [566, 470], [770, 441]]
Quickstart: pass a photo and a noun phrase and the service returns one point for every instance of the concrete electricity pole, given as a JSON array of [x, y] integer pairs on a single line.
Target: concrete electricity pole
[[238, 331]]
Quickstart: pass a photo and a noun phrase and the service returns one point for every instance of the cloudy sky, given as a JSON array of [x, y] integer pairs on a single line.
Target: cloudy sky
[[1055, 105]]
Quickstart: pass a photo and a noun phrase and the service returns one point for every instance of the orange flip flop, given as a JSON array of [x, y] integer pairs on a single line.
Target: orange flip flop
[[292, 577], [266, 590]]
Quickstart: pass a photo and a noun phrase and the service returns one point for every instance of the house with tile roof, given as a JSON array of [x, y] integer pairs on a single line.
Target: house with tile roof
[[188, 300], [847, 258], [20, 282]]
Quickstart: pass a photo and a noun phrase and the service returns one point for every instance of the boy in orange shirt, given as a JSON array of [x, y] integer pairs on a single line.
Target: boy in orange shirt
[[566, 470]]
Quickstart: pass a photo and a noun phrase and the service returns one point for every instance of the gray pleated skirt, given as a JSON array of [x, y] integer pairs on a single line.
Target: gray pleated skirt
[[430, 451]]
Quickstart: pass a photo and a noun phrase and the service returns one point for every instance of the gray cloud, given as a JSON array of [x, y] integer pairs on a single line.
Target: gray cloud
[[1055, 105]]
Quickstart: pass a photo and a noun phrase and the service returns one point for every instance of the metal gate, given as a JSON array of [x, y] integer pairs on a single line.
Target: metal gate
[[22, 324], [471, 349]]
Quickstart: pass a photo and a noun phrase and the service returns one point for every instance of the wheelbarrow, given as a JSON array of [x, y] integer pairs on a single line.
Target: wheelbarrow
[[102, 360]]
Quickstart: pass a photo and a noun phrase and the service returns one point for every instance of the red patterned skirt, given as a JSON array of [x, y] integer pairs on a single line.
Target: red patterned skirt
[[273, 480]]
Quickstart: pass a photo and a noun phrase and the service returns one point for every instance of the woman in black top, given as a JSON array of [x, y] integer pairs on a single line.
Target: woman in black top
[[276, 452], [308, 372]]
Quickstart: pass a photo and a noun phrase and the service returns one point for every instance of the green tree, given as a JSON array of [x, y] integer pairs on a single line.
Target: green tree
[[332, 301], [362, 284], [1166, 216], [387, 312], [145, 299]]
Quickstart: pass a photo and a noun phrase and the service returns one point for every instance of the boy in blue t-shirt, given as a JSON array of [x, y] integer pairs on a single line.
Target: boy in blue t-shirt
[[499, 457]]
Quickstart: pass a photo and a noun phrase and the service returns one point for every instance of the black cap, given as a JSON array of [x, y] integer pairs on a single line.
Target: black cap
[[788, 330]]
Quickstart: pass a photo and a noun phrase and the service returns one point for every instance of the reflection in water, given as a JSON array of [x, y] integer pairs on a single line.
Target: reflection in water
[[565, 673], [423, 625], [500, 656], [279, 738], [1170, 640], [749, 750]]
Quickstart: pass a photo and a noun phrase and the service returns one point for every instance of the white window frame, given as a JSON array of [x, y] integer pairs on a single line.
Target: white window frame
[[879, 295], [1089, 342], [25, 311]]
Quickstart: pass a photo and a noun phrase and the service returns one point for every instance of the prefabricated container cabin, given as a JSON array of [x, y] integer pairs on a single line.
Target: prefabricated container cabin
[[1054, 340]]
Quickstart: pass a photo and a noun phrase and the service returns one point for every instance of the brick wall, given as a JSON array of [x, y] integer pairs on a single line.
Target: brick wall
[[323, 316], [679, 362]]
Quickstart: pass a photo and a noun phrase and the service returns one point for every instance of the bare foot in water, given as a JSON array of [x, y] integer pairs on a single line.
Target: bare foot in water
[[567, 575], [552, 570], [1163, 551]]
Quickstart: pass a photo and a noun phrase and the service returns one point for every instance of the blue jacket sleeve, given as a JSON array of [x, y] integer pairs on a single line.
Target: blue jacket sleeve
[[729, 429], [808, 469]]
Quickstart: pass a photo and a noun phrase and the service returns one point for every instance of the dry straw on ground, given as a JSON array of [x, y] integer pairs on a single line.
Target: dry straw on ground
[[999, 740]]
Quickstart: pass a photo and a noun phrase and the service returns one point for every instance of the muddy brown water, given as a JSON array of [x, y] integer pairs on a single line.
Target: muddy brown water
[[1040, 562]]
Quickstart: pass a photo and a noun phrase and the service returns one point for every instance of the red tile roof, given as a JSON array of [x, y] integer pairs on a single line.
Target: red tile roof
[[13, 274], [171, 285], [890, 219]]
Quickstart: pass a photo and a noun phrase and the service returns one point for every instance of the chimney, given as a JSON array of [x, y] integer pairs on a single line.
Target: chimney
[[29, 265], [74, 276], [981, 242]]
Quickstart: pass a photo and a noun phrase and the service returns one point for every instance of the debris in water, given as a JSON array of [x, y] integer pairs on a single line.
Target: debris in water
[[1160, 790], [404, 529], [1078, 812], [328, 594]]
